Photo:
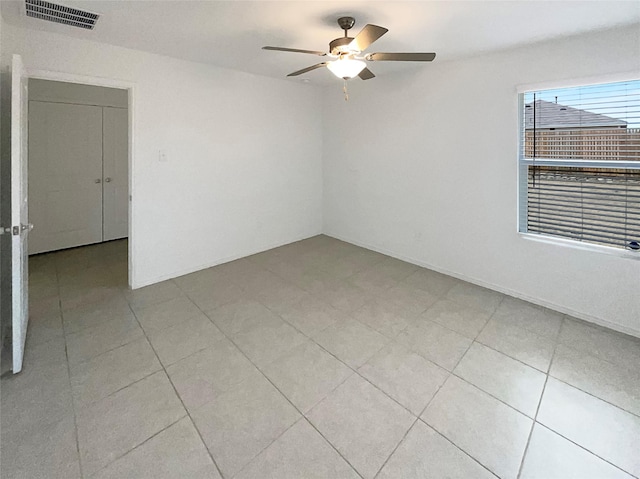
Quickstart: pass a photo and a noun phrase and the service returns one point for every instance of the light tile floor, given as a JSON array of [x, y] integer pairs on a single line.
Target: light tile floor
[[317, 359]]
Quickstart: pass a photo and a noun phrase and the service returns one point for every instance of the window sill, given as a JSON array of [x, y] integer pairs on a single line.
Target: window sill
[[567, 243]]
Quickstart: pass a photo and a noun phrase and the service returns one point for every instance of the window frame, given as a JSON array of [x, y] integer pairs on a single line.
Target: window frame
[[523, 163]]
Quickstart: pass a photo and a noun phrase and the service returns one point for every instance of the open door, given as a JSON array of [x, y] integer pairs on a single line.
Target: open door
[[20, 226]]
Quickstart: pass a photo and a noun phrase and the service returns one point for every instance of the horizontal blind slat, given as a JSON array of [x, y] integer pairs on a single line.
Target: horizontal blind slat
[[593, 205]]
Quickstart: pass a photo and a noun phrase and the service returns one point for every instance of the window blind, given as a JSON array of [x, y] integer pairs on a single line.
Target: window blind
[[580, 163]]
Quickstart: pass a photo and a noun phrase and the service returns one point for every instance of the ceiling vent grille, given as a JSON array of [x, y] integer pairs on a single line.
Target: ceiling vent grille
[[61, 14]]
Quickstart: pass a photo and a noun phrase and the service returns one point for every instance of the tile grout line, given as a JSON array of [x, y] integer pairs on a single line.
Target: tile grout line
[[287, 429], [113, 393], [535, 417], [408, 430], [302, 415], [130, 384], [454, 374], [587, 392], [319, 296], [459, 448], [595, 397], [419, 419], [588, 352], [357, 372], [82, 329], [74, 406], [91, 304], [586, 450], [124, 454], [555, 340], [558, 343], [397, 283], [442, 435], [90, 358], [509, 356], [396, 447], [66, 354], [188, 414], [126, 343], [602, 329], [354, 370], [444, 297]]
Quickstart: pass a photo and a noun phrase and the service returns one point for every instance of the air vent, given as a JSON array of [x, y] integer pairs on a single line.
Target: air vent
[[61, 14]]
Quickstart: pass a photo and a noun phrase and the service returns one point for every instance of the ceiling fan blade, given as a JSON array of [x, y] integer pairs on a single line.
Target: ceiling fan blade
[[308, 69], [368, 35], [295, 50], [366, 74], [401, 57]]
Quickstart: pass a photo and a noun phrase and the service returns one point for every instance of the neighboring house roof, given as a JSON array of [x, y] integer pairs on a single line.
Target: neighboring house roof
[[555, 115]]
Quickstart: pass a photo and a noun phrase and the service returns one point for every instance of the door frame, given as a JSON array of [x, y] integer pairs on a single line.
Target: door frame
[[109, 83]]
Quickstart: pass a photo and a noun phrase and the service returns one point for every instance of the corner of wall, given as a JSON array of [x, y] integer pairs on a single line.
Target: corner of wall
[[405, 191]]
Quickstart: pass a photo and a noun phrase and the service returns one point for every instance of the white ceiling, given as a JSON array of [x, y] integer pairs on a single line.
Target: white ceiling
[[231, 33]]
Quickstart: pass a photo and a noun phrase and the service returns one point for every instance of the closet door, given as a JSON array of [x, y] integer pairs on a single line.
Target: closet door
[[65, 175], [116, 177]]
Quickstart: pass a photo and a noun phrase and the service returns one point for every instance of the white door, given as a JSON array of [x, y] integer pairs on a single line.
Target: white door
[[115, 173], [65, 175], [19, 212]]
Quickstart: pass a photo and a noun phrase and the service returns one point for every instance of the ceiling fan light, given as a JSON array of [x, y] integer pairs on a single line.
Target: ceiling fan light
[[346, 68]]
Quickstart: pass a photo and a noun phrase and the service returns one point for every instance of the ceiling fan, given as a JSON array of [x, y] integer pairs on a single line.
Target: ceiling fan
[[347, 54]]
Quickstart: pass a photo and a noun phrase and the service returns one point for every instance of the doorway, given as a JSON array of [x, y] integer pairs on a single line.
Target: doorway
[[78, 165], [19, 291], [114, 99]]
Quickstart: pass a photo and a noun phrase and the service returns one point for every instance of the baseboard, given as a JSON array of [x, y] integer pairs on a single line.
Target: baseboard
[[509, 292], [158, 279]]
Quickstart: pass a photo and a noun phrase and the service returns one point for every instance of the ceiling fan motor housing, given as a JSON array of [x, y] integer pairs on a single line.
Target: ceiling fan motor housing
[[340, 46]]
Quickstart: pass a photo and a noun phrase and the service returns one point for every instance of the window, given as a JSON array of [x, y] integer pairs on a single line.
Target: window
[[580, 164]]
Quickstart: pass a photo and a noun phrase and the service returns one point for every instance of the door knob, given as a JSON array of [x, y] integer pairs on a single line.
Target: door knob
[[107, 180], [97, 180]]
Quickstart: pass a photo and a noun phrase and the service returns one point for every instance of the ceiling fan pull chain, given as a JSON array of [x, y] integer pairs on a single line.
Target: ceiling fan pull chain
[[344, 90]]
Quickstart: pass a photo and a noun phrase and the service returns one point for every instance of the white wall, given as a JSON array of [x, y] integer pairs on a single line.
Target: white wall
[[243, 170], [423, 167]]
